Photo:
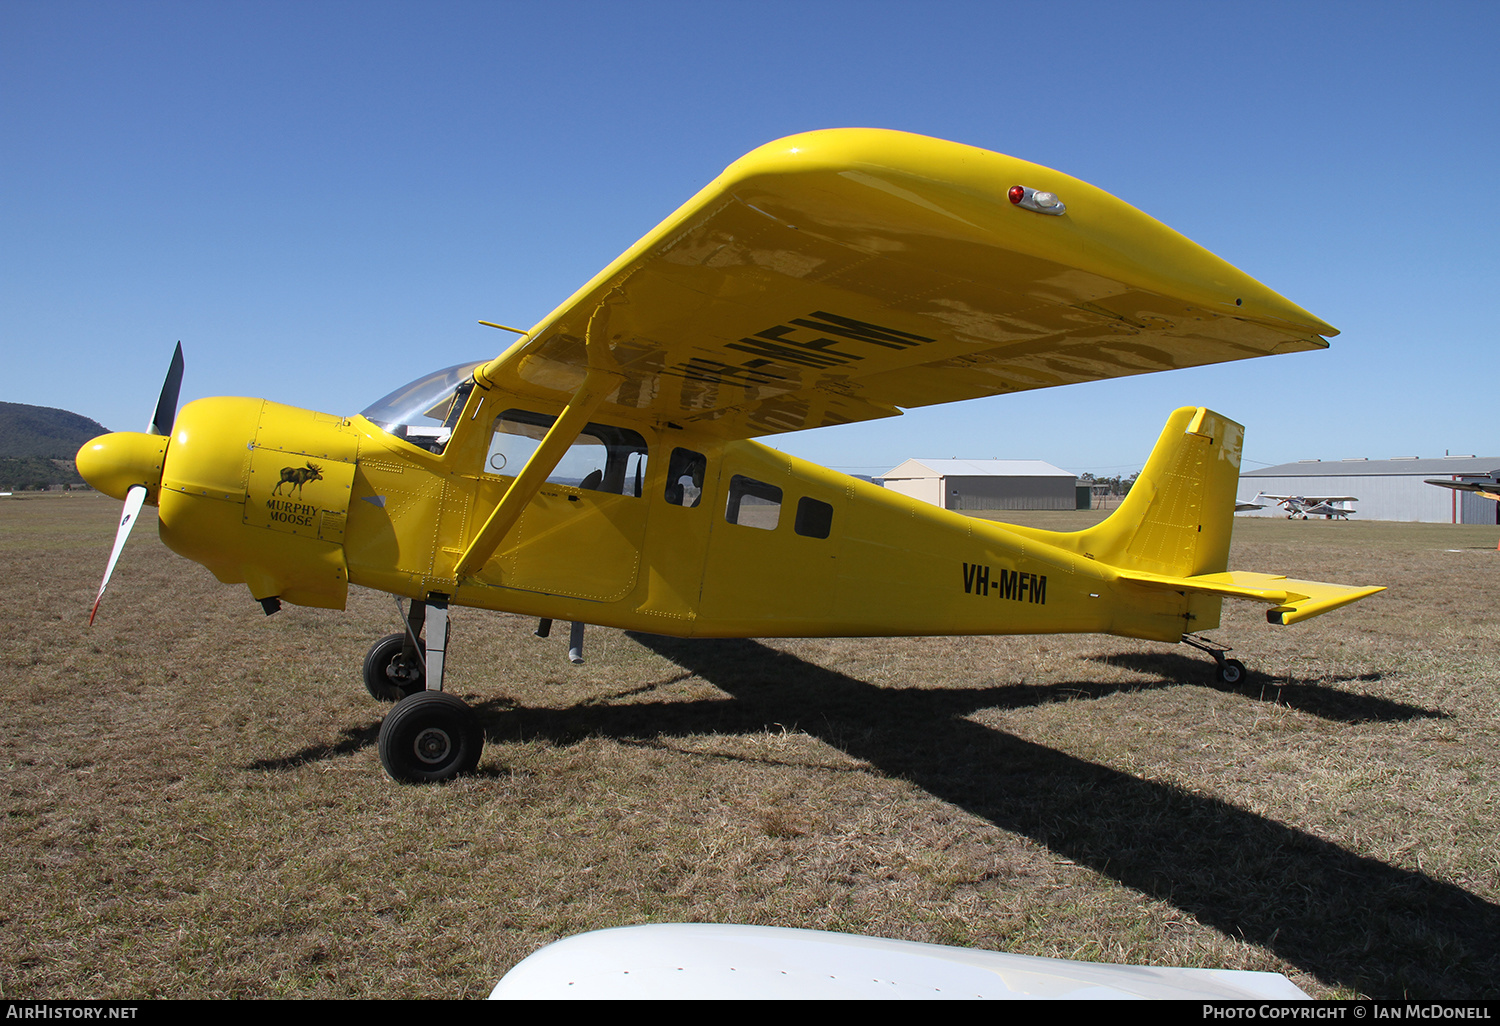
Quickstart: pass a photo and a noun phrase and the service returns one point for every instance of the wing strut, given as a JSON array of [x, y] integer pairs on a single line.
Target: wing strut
[[600, 380]]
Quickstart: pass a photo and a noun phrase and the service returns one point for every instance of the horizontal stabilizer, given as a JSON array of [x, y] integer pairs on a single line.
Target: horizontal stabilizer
[[1293, 600]]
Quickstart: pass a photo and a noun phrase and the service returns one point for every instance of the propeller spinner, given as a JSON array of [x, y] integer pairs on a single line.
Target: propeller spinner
[[128, 464]]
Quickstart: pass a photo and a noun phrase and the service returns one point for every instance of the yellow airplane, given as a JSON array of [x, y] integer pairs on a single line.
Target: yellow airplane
[[601, 469]]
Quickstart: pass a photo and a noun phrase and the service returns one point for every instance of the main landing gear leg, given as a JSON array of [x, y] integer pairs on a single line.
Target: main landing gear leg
[[437, 640], [1227, 671], [431, 735]]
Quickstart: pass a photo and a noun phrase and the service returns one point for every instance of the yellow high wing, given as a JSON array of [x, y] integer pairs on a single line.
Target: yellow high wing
[[841, 275]]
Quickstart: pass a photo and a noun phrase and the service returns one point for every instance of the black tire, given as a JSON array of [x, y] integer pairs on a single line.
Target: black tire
[[1230, 671], [430, 736], [388, 675]]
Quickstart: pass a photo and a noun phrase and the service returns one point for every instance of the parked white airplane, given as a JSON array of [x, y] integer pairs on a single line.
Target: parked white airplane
[[1300, 507]]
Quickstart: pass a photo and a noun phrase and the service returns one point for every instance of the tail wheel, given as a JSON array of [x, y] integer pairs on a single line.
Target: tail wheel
[[430, 736], [1230, 671], [389, 675]]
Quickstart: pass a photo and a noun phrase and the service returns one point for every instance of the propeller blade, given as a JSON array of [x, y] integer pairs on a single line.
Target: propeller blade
[[166, 403], [133, 501]]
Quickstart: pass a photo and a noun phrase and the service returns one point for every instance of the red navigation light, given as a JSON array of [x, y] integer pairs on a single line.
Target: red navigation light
[[1039, 200]]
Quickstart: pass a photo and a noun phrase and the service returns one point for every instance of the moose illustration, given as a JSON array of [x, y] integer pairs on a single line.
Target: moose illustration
[[296, 477]]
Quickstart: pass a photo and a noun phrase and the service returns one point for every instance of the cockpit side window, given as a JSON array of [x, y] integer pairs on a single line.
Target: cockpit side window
[[685, 473], [603, 458]]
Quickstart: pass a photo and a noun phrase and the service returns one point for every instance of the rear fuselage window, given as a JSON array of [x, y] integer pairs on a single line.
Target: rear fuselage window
[[814, 518], [753, 503], [603, 458]]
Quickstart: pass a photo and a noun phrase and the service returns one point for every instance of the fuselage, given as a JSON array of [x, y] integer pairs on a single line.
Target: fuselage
[[642, 526]]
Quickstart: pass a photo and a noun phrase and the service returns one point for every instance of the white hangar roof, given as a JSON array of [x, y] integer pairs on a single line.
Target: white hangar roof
[[975, 468], [1442, 466]]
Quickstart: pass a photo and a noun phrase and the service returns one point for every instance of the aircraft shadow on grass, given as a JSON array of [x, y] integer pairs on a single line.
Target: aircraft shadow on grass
[[352, 740], [1305, 694], [1350, 920]]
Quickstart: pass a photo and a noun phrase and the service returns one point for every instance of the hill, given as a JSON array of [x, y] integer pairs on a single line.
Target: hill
[[43, 431], [37, 445]]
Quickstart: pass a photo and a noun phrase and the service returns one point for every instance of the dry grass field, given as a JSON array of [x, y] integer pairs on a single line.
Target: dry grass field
[[194, 806]]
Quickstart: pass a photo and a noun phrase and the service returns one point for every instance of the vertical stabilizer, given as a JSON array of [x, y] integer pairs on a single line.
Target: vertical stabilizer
[[1179, 514]]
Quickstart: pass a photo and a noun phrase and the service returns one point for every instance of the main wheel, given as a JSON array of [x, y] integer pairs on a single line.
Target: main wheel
[[389, 675], [430, 736], [1230, 671]]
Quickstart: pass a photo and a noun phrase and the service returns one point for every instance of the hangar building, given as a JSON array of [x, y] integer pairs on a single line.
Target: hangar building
[[1393, 489], [985, 484]]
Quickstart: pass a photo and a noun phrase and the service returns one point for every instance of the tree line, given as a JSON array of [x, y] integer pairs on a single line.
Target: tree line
[[37, 474], [1117, 485]]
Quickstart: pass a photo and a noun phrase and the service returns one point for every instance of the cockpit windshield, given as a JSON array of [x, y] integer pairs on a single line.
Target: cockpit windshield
[[424, 411]]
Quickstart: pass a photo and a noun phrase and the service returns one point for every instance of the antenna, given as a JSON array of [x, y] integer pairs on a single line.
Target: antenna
[[502, 327]]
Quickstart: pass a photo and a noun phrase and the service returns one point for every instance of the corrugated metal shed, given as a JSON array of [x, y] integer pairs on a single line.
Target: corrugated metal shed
[[984, 484], [1394, 489]]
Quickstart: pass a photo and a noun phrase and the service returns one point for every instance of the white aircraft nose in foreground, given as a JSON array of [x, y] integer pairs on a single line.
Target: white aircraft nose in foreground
[[700, 961]]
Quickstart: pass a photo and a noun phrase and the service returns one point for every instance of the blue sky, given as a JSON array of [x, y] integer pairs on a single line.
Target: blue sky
[[320, 199]]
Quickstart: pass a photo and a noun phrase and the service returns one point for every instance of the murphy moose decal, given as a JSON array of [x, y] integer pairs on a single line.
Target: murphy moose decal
[[296, 477]]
